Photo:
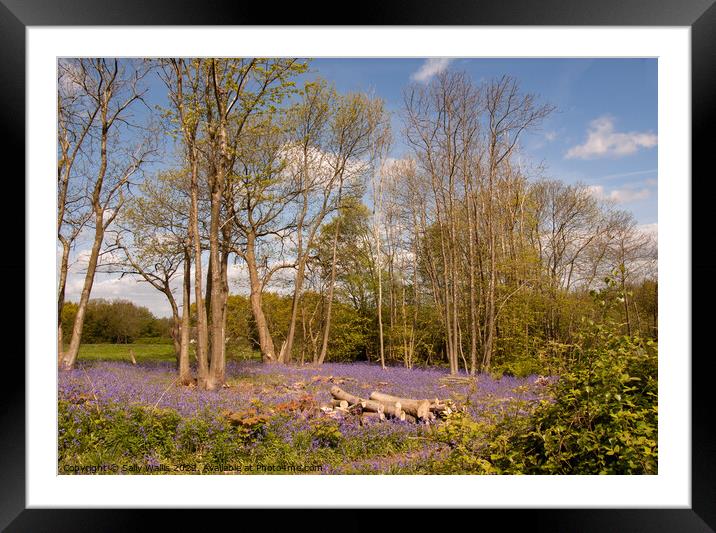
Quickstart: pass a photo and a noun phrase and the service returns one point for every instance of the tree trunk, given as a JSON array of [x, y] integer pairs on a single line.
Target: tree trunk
[[626, 303], [490, 303], [327, 329], [471, 267], [202, 334], [184, 369], [70, 356], [176, 333], [217, 363], [64, 266], [268, 353], [207, 304], [217, 181], [285, 355]]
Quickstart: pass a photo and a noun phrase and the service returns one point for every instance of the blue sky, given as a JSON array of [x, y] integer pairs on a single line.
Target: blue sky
[[614, 99], [603, 132]]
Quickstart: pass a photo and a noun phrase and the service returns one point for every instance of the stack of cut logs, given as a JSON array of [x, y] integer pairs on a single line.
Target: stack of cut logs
[[381, 406]]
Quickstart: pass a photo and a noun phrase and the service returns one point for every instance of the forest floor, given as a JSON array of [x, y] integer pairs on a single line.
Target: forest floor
[[139, 419]]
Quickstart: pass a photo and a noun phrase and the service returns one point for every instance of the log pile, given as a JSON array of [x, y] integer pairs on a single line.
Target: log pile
[[381, 406]]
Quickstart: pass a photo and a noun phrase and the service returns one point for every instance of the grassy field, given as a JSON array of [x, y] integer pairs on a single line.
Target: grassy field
[[121, 352], [149, 352]]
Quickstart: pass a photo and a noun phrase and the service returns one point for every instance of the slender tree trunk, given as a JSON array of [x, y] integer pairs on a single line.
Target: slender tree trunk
[[626, 303], [207, 304], [176, 327], [327, 329], [224, 303], [64, 266], [457, 345], [202, 334], [379, 266], [268, 352], [471, 268], [490, 303], [184, 369], [70, 356], [285, 355], [189, 131], [380, 303]]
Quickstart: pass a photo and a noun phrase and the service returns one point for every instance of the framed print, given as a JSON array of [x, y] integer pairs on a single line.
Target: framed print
[[399, 254]]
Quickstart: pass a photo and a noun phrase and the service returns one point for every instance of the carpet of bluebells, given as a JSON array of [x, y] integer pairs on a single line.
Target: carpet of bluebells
[[140, 420]]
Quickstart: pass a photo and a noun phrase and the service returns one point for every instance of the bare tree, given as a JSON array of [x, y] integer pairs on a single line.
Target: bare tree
[[509, 114], [121, 152], [441, 123], [76, 113], [334, 138]]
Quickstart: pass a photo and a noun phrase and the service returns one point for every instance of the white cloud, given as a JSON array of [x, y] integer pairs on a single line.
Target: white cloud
[[550, 135], [619, 196], [126, 288], [649, 229], [622, 196], [604, 141], [431, 67]]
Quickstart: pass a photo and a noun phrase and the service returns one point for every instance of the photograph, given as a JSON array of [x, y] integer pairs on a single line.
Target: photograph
[[357, 265]]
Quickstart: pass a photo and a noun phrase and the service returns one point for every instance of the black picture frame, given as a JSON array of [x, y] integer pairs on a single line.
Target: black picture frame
[[699, 15]]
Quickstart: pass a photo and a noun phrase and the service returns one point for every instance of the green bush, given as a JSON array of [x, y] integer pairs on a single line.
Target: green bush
[[603, 418]]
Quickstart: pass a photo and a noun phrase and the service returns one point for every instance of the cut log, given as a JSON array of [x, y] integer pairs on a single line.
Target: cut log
[[380, 407], [343, 404], [389, 409], [418, 408], [131, 354]]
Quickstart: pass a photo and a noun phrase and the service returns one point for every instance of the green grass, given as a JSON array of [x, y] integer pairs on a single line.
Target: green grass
[[148, 352], [120, 352]]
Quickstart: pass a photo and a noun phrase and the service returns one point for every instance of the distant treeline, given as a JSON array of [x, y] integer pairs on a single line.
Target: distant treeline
[[117, 321], [533, 349]]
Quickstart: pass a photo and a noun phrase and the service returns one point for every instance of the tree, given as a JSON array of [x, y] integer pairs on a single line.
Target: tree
[[509, 114], [153, 242], [359, 126], [260, 195], [334, 139], [120, 153], [76, 114], [237, 89], [441, 122], [184, 81]]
